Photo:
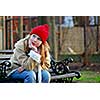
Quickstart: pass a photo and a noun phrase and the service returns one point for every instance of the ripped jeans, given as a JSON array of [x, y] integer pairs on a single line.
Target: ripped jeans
[[30, 76]]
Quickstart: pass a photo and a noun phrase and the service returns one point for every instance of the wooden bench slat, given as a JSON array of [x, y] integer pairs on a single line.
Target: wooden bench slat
[[6, 51], [63, 76], [5, 57]]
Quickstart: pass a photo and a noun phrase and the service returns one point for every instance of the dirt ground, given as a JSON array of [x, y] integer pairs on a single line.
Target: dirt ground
[[92, 67]]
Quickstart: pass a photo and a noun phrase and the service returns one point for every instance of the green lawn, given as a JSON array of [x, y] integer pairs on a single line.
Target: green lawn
[[88, 77]]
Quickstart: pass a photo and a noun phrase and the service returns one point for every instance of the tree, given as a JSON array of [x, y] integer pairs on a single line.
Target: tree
[[89, 39]]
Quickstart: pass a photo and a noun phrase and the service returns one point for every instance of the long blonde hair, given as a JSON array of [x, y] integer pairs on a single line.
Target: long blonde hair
[[44, 49]]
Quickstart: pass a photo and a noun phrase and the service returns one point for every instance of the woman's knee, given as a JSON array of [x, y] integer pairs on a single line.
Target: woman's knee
[[46, 76], [30, 77]]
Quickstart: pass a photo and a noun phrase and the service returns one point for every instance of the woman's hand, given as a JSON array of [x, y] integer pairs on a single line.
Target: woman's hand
[[35, 56], [20, 69]]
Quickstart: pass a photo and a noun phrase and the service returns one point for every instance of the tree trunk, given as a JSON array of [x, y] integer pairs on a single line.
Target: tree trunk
[[55, 49], [85, 55]]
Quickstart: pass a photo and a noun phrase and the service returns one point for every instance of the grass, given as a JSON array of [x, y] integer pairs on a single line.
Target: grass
[[88, 77]]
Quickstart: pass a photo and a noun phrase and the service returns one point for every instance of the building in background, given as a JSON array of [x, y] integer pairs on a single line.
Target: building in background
[[65, 31]]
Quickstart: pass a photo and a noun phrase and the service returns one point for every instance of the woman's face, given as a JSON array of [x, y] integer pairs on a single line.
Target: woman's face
[[35, 40]]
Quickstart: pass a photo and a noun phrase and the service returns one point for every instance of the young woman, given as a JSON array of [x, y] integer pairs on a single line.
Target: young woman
[[30, 52]]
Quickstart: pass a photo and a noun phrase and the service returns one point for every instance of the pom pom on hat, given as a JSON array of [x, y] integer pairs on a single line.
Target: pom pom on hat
[[42, 31]]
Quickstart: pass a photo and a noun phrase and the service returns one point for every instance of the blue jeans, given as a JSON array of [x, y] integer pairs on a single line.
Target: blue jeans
[[30, 76]]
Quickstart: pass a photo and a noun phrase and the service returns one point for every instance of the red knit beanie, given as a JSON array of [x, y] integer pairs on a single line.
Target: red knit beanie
[[42, 31]]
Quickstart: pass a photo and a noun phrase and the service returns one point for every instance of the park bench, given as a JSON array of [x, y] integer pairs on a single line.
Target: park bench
[[5, 54], [59, 70]]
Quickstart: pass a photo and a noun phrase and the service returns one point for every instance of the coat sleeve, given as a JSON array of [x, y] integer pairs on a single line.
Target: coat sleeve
[[25, 61]]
